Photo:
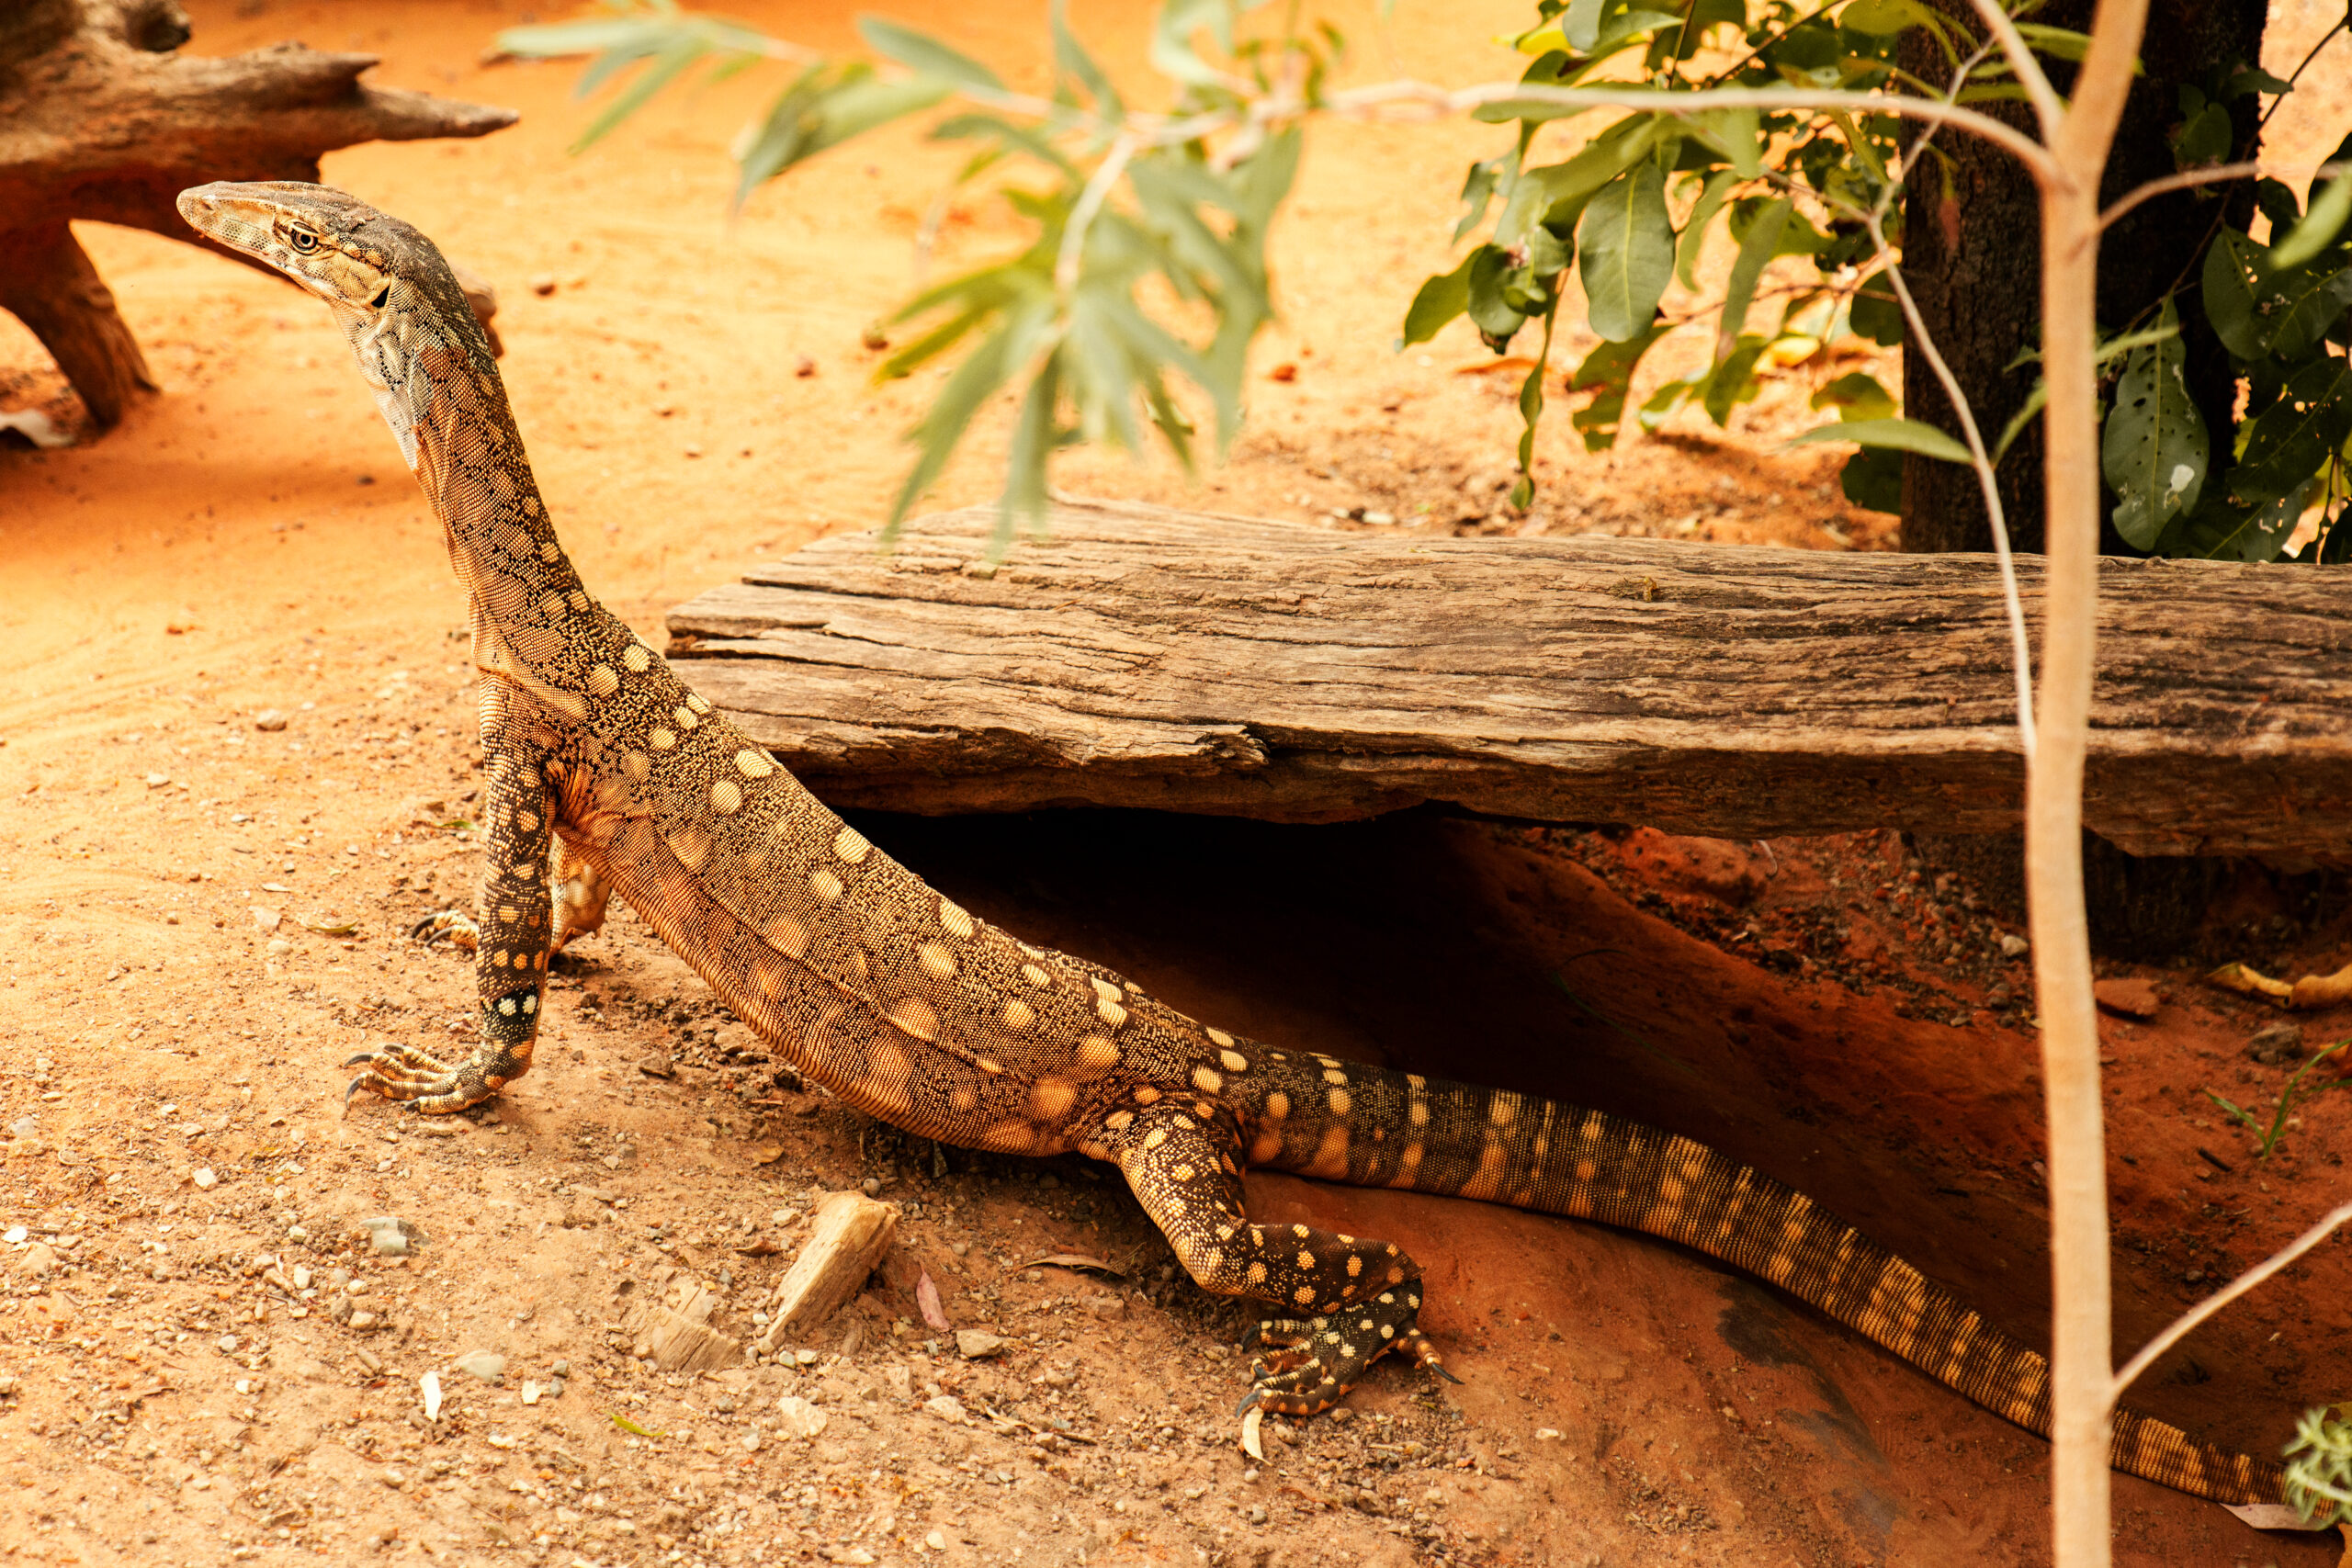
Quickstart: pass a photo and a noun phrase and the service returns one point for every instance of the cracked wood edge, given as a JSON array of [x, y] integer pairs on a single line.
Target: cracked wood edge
[[1145, 657]]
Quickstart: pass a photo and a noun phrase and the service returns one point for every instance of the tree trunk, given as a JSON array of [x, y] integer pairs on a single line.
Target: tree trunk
[[1973, 256]]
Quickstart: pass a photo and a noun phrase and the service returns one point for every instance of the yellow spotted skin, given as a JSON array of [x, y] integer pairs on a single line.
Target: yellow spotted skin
[[907, 1005]]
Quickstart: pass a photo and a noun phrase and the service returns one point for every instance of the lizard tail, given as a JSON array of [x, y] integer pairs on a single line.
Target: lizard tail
[[1460, 1140]]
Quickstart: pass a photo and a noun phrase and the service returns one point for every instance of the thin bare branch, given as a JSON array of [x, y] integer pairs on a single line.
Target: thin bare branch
[[1082, 213], [2191, 178], [2020, 649], [2047, 106], [2187, 1321]]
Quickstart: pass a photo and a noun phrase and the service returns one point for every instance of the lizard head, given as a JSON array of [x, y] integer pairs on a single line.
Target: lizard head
[[388, 287]]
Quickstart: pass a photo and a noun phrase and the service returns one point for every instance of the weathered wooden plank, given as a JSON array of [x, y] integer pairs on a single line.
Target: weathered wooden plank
[[1147, 657]]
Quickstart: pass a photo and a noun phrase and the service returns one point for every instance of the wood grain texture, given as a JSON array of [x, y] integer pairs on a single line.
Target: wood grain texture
[[1145, 657]]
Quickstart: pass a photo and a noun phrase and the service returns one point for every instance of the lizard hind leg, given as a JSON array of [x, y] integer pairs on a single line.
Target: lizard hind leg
[[1340, 1301]]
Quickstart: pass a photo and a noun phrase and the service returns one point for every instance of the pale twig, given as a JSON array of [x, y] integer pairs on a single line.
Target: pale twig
[[2047, 108], [2187, 1321], [1082, 213], [2190, 178], [2020, 649]]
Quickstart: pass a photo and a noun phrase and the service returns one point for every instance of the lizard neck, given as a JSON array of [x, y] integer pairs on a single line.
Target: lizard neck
[[438, 387]]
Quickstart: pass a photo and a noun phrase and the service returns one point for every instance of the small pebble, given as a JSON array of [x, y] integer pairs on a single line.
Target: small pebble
[[203, 1176], [976, 1345], [798, 1418], [228, 1343], [429, 1385], [264, 919], [269, 719], [487, 1365], [542, 284], [15, 1234]]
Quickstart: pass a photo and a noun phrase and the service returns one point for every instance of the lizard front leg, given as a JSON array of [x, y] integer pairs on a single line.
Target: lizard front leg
[[1342, 1302], [512, 924]]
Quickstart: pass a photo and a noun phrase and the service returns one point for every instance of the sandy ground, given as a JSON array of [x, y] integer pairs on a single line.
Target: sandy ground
[[202, 1357]]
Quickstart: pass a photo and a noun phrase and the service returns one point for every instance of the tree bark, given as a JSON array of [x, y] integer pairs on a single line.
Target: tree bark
[[1972, 252], [1152, 658], [46, 282], [101, 119]]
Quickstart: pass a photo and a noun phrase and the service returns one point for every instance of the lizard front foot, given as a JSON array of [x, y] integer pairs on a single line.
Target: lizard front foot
[[427, 1084], [1311, 1362], [451, 925]]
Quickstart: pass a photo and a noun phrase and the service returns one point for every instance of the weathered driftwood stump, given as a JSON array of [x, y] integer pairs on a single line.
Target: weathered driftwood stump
[[1145, 657], [100, 118]]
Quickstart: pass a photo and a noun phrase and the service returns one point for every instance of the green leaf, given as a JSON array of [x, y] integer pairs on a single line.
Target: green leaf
[[1626, 253], [1491, 311], [1439, 301], [1733, 380], [813, 114], [1856, 395], [1898, 435], [978, 379], [1173, 55], [1608, 373], [2204, 138], [926, 56], [2153, 451], [2220, 528], [1881, 18], [2063, 43], [1547, 253], [2319, 226], [1873, 480], [1762, 242], [1021, 507], [1694, 233], [1877, 314], [660, 74], [2289, 441], [2231, 264], [1737, 134], [1555, 195], [1070, 56]]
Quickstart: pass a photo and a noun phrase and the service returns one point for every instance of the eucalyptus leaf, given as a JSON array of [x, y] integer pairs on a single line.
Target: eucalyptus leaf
[[1733, 380], [1625, 253], [1693, 239], [925, 55], [1898, 435]]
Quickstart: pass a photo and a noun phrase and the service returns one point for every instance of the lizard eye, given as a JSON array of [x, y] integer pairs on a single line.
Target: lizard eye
[[302, 240]]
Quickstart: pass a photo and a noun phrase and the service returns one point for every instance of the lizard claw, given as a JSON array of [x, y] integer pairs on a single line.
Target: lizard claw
[[423, 1082], [451, 925], [1312, 1362]]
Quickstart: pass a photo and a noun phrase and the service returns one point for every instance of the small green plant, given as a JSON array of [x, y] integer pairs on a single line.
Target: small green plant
[[2291, 1096], [2319, 1467]]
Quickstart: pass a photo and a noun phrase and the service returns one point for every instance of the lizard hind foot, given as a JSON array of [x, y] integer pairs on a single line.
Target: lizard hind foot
[[451, 925], [1308, 1364], [419, 1080]]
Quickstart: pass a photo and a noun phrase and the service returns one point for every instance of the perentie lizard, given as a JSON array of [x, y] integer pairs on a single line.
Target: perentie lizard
[[909, 1009]]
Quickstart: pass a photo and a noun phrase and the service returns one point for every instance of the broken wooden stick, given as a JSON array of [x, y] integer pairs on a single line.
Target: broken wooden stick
[[851, 1233]]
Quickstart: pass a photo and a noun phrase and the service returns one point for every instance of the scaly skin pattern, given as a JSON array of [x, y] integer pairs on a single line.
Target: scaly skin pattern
[[913, 1010]]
